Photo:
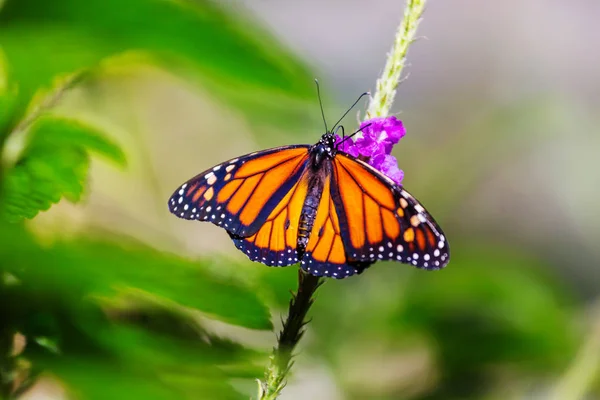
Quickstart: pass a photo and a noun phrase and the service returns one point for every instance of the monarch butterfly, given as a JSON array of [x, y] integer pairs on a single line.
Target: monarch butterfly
[[316, 205]]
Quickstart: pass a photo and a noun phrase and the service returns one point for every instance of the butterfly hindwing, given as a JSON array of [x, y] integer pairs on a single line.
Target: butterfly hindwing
[[275, 242], [240, 194], [384, 222], [325, 252]]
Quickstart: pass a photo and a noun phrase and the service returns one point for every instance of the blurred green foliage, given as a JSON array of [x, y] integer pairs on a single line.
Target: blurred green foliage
[[53, 164], [113, 318], [108, 316], [59, 298], [43, 40]]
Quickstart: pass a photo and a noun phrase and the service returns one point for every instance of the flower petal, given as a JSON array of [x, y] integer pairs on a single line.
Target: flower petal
[[385, 131], [348, 146], [388, 165]]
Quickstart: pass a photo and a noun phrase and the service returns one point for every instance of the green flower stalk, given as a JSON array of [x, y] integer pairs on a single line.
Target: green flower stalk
[[380, 104], [280, 361], [381, 101]]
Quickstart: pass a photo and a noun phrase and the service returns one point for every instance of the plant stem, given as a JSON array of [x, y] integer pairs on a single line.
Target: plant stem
[[280, 361], [382, 100]]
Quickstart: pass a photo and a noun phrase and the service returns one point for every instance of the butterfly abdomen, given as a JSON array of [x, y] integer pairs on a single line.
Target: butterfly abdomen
[[308, 214], [316, 182]]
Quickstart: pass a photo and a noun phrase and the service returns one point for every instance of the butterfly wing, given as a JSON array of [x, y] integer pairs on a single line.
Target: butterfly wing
[[384, 222], [240, 194], [326, 250], [275, 243]]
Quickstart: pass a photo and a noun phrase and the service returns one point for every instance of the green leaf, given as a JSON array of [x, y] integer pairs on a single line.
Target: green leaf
[[230, 54], [108, 268], [8, 95], [91, 381], [148, 350], [53, 131], [53, 164]]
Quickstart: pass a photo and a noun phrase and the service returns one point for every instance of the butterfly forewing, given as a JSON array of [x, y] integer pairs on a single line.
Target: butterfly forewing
[[384, 221], [240, 194]]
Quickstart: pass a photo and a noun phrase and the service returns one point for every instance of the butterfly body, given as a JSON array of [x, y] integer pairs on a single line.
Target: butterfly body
[[320, 155], [331, 212]]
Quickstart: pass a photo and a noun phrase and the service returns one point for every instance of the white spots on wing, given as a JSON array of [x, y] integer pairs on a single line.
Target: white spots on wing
[[208, 209], [426, 257], [230, 168], [233, 161], [211, 179], [180, 200], [400, 248], [419, 208], [194, 209], [218, 167], [381, 248], [414, 220], [209, 175], [185, 207], [436, 253]]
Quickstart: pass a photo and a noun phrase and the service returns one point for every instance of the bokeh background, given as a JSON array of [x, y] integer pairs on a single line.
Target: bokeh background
[[107, 295]]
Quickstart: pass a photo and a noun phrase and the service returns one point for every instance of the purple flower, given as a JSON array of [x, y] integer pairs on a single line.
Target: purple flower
[[380, 135], [387, 164], [347, 146], [375, 146]]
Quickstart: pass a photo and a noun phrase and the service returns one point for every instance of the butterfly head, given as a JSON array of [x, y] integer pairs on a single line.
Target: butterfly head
[[325, 148]]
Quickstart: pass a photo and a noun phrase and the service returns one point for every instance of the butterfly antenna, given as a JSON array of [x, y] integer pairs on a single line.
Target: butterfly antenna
[[321, 104], [343, 132], [346, 113], [349, 136]]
